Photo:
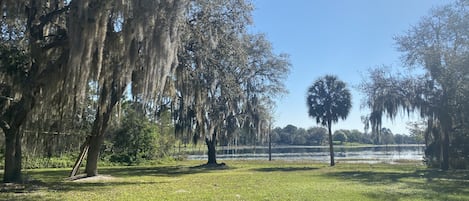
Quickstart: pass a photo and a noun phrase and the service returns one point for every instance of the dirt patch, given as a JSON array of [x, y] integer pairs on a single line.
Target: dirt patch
[[182, 191], [98, 178], [212, 166]]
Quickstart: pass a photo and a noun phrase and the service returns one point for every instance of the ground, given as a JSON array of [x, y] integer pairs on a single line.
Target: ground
[[250, 180]]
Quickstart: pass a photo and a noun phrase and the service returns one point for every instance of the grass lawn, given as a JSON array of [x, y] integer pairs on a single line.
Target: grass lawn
[[250, 180]]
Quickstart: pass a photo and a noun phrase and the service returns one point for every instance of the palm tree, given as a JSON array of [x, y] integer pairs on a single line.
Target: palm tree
[[328, 99]]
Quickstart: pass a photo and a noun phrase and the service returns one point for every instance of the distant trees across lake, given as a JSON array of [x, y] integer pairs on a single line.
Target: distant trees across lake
[[316, 136]]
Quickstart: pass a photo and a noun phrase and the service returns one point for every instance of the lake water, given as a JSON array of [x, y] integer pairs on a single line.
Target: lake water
[[362, 154]]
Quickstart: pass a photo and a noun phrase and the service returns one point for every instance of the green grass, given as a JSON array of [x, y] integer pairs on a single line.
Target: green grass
[[252, 180]]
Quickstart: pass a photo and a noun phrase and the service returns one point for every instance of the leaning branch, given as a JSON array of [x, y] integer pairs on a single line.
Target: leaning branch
[[7, 98], [44, 19]]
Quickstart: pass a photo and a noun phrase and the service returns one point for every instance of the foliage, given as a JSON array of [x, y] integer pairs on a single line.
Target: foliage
[[291, 135], [340, 136], [417, 131], [328, 99], [251, 180], [134, 141], [438, 44], [317, 135], [138, 139], [314, 136], [65, 161]]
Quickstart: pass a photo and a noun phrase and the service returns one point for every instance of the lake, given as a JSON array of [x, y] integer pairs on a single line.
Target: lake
[[349, 154]]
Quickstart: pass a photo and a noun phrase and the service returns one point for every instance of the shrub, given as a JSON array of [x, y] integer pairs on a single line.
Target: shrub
[[138, 139]]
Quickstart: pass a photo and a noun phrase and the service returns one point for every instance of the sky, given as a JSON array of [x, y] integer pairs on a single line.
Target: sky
[[338, 37]]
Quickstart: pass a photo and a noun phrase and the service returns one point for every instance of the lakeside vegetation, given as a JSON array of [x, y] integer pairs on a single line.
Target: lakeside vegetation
[[249, 180]]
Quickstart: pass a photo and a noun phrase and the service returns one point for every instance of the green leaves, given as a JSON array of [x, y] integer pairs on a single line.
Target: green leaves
[[328, 99]]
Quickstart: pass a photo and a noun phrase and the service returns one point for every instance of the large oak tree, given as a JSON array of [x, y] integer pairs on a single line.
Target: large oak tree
[[68, 44]]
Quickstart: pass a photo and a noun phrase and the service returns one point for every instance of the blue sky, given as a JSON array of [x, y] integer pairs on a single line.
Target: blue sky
[[339, 37]]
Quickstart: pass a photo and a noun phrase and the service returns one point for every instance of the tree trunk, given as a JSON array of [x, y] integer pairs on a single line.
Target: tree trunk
[[331, 144], [444, 143], [428, 131], [212, 153], [97, 138], [270, 145], [93, 155], [11, 123], [445, 151], [109, 97], [12, 169], [446, 127]]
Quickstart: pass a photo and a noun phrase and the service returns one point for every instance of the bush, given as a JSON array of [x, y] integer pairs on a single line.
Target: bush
[[340, 136], [120, 158], [138, 140], [44, 162]]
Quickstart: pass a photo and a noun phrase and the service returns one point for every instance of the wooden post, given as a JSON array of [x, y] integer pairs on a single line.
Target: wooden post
[[83, 153], [270, 141]]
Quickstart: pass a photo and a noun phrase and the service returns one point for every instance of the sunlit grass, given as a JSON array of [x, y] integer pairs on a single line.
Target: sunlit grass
[[252, 180]]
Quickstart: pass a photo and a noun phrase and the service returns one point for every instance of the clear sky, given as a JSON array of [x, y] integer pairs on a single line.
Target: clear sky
[[339, 37]]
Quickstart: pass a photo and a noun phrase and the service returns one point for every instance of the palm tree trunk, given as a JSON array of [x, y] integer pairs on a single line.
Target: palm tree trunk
[[331, 144]]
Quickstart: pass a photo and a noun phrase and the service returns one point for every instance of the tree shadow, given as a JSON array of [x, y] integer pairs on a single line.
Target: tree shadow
[[55, 180], [163, 171], [16, 197], [91, 186], [370, 177], [426, 184], [284, 169], [28, 193]]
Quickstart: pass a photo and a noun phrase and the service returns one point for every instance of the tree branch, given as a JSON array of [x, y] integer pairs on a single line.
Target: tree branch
[[44, 19]]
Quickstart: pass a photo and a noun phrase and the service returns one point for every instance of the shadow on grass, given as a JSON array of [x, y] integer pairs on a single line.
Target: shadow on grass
[[162, 171], [284, 169], [420, 184], [131, 171], [55, 179], [29, 193], [24, 197], [91, 186]]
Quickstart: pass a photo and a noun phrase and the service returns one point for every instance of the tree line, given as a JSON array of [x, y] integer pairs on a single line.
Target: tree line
[[317, 136]]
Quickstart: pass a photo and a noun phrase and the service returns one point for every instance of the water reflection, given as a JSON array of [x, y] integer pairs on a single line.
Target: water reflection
[[362, 154]]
